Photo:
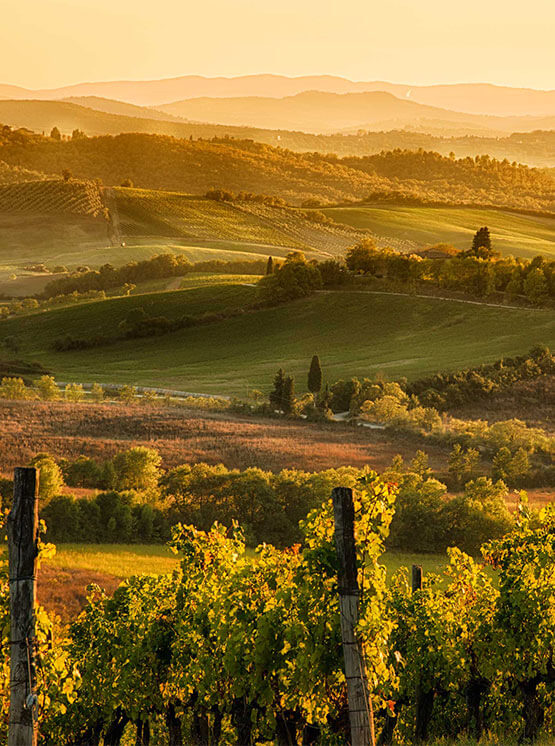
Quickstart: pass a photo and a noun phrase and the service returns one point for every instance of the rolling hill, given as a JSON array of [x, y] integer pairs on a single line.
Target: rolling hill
[[158, 162], [69, 224], [111, 106], [478, 98], [97, 116], [253, 226], [519, 235], [354, 334], [320, 112], [49, 221], [57, 222]]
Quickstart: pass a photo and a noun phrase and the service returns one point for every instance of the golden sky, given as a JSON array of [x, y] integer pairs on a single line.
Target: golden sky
[[48, 43]]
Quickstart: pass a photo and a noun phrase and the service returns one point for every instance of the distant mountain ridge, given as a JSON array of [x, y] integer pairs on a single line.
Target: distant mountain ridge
[[321, 112], [472, 98]]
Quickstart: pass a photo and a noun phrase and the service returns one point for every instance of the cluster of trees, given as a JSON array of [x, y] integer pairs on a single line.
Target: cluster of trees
[[111, 516], [446, 390], [477, 272], [242, 649], [108, 277], [427, 174], [520, 455], [135, 500], [163, 162], [45, 388], [28, 305], [291, 279], [529, 457], [282, 396], [139, 324], [426, 520], [223, 195]]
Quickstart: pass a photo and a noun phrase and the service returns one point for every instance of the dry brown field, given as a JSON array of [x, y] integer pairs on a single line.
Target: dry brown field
[[67, 430]]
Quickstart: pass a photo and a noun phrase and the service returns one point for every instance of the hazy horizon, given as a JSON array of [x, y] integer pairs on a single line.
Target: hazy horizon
[[265, 73], [77, 41]]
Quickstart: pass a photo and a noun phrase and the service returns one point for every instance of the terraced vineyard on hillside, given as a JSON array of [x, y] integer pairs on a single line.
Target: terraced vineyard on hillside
[[52, 197], [145, 212], [52, 222]]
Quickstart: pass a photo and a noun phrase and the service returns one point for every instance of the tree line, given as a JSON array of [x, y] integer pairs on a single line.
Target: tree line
[[136, 501], [108, 277], [446, 390], [478, 272]]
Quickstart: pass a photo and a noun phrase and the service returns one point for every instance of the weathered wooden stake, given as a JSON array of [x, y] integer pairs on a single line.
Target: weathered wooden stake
[[360, 717], [22, 555], [416, 578]]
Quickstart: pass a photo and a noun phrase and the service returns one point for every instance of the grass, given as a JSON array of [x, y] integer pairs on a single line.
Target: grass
[[103, 317], [512, 233], [355, 334], [67, 430], [124, 560], [121, 560]]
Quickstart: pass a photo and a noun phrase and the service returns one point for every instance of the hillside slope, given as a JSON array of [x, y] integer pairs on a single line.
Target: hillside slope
[[353, 333], [414, 227], [52, 197], [158, 162], [50, 221], [255, 226]]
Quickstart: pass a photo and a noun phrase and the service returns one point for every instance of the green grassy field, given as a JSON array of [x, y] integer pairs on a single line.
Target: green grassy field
[[512, 233], [353, 333], [39, 222], [103, 317], [121, 560], [124, 560]]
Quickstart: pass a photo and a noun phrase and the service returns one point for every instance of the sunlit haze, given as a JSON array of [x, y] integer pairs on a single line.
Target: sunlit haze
[[48, 44]]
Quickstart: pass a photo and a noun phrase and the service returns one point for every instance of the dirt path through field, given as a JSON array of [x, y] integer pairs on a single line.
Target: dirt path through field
[[174, 284], [438, 297], [111, 204]]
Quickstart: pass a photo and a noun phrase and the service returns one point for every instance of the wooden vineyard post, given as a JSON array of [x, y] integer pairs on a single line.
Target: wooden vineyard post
[[416, 578], [360, 716], [22, 556]]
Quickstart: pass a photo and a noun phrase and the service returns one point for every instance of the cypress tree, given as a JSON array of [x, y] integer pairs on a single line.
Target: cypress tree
[[481, 240], [270, 266], [276, 396], [325, 399], [288, 396], [315, 376]]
